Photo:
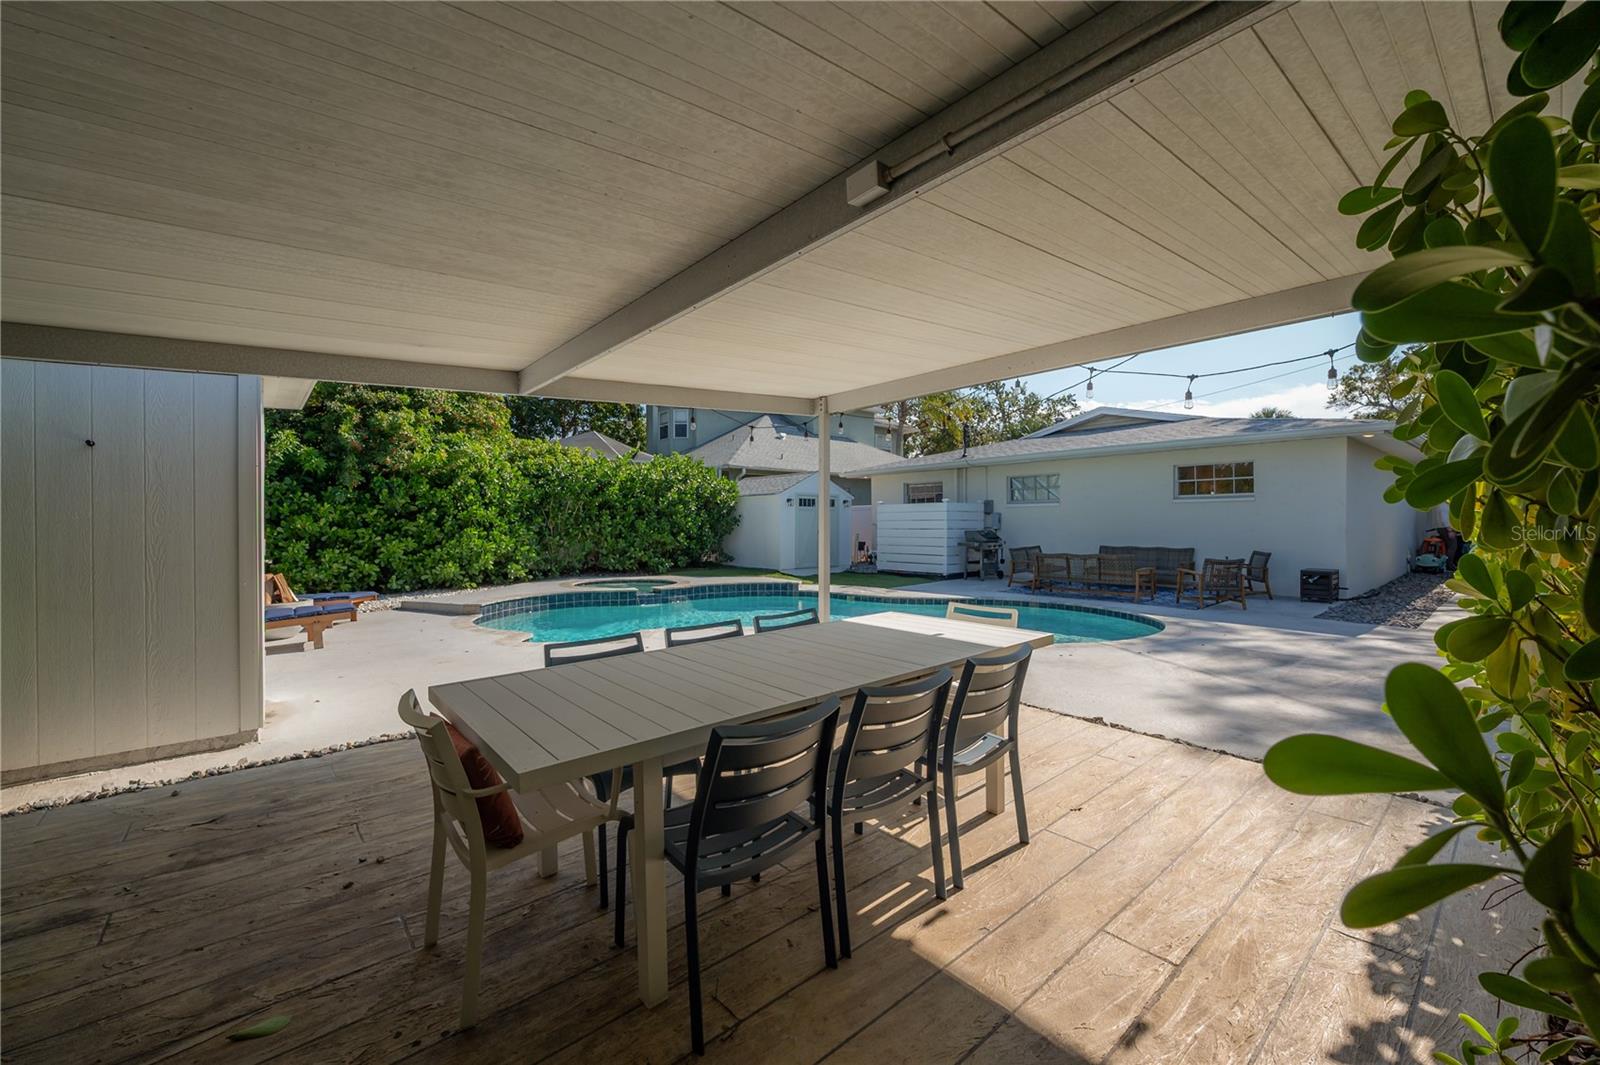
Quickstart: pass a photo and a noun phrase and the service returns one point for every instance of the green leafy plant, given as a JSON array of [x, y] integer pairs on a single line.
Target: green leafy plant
[[395, 489], [1489, 317]]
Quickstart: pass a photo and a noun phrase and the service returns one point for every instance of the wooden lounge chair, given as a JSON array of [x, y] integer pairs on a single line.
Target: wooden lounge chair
[[1023, 567], [275, 587], [1255, 572], [314, 618], [1218, 580]]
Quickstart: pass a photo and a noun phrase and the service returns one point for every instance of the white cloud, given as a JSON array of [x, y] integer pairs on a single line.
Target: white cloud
[[1306, 401]]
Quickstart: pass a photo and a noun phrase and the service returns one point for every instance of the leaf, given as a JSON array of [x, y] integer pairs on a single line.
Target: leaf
[[1420, 271], [1375, 230], [1532, 105], [1497, 525], [1591, 588], [1522, 173], [1585, 112], [1400, 892], [1425, 116], [1515, 348], [1460, 403], [1586, 907], [1363, 199], [1569, 247], [1477, 1026], [1521, 765], [1526, 392], [1544, 289], [1579, 176], [1444, 232], [1435, 718], [1508, 988], [1562, 48], [1577, 445], [1451, 311], [1472, 570], [1557, 1049], [1584, 663], [1431, 169], [1371, 350], [270, 1026], [1506, 1028], [1433, 486], [1394, 161], [1331, 765], [1548, 874], [1423, 852], [1522, 21], [1416, 96], [1474, 639], [1557, 974], [1520, 589]]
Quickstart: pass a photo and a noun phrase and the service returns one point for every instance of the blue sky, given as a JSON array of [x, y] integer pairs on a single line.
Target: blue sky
[[1303, 389]]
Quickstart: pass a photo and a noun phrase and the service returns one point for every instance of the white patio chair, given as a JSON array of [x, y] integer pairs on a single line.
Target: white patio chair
[[1005, 616], [549, 816]]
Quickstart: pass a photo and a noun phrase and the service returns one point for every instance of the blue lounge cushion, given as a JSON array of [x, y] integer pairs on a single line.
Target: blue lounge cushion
[[315, 596], [279, 613]]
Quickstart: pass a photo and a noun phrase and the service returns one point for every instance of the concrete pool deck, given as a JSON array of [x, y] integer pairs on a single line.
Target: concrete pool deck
[[1222, 678]]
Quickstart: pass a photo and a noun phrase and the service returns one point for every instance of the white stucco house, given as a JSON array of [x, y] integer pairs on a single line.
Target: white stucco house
[[778, 524], [1304, 489]]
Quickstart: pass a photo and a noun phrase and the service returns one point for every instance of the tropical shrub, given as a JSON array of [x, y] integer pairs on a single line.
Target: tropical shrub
[[1491, 299], [396, 489]]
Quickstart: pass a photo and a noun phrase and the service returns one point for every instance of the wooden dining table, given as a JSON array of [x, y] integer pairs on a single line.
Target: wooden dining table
[[545, 726]]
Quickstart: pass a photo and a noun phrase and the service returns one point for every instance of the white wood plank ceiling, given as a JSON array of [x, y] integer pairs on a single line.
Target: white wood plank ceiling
[[473, 184]]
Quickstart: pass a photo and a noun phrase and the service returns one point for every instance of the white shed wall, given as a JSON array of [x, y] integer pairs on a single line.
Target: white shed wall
[[754, 542], [776, 533], [130, 570], [1305, 492]]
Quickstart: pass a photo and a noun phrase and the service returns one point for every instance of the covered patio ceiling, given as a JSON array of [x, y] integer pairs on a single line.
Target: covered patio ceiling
[[648, 201]]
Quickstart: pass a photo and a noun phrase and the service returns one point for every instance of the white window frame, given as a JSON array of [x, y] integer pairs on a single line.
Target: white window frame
[[664, 419], [1206, 484], [1046, 489], [908, 493], [680, 423]]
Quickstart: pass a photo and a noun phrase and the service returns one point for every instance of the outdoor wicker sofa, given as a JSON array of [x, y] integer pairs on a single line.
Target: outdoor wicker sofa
[[1166, 561]]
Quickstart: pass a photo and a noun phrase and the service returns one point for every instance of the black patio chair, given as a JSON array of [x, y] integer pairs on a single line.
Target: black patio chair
[[990, 696], [790, 620], [716, 630], [888, 759], [557, 654], [762, 794]]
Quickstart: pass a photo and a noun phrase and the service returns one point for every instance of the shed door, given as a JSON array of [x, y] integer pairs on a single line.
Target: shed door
[[805, 532]]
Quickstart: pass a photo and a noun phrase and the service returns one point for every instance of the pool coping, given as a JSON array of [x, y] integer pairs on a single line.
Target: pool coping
[[721, 588]]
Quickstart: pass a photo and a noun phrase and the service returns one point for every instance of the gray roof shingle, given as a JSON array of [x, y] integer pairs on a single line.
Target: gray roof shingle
[[794, 450], [1148, 435]]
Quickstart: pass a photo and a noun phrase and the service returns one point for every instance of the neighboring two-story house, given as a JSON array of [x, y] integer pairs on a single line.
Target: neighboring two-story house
[[675, 429]]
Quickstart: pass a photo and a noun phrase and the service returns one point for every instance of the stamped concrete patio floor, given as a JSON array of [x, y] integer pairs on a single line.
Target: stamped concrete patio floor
[[1173, 906]]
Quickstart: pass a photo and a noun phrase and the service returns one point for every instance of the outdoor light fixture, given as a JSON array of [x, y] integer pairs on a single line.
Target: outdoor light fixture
[[841, 423], [1088, 388], [1333, 375], [1188, 394], [692, 427]]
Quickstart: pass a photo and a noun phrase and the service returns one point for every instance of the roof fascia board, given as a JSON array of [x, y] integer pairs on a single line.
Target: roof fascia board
[[1116, 47], [1132, 449], [1316, 300], [602, 391]]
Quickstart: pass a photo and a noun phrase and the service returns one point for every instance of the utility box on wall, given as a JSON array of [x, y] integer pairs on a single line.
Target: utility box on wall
[[130, 565]]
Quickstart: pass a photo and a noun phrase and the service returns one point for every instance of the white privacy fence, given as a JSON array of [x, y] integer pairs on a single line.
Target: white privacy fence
[[925, 537]]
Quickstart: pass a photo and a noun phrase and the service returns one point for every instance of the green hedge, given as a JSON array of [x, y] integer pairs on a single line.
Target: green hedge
[[397, 489]]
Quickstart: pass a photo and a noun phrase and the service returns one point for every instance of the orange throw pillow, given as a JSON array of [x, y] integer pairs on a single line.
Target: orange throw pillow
[[501, 825]]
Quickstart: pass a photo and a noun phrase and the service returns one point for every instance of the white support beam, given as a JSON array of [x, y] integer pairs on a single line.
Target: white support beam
[[55, 344], [1105, 54], [1260, 312], [599, 391]]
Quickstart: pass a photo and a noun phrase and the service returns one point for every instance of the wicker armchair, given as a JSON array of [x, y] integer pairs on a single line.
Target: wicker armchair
[[1255, 572], [1218, 580], [1024, 567]]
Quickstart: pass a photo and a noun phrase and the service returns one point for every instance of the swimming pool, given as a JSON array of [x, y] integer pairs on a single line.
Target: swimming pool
[[581, 616]]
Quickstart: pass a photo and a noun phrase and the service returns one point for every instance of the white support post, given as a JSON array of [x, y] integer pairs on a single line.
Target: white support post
[[824, 510]]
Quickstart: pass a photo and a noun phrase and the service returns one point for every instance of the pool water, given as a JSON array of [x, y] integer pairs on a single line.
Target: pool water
[[559, 624]]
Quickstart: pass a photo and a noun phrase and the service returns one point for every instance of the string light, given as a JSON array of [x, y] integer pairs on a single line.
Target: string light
[[1333, 375], [1191, 378], [1088, 386], [1188, 394]]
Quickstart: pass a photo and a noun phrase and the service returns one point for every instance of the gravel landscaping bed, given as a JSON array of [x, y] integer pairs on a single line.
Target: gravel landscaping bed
[[1405, 602]]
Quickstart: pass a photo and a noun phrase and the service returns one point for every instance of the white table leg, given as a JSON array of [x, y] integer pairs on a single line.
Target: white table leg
[[649, 882], [548, 861]]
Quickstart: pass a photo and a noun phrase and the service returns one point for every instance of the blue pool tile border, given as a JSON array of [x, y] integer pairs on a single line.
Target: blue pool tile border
[[538, 604]]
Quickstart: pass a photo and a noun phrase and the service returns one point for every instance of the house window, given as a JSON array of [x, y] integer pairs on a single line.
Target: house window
[[1034, 488], [1216, 479], [680, 422], [928, 492], [662, 418]]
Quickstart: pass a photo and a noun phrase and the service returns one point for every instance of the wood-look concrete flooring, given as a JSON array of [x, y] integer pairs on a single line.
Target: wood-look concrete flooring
[[1173, 906]]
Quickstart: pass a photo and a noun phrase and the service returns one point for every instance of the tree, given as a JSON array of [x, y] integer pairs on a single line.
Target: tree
[[999, 410], [1494, 286], [1272, 412], [1367, 390], [540, 418]]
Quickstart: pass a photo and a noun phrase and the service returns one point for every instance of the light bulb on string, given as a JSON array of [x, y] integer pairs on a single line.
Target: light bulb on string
[[1088, 388], [1188, 394], [1333, 374]]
